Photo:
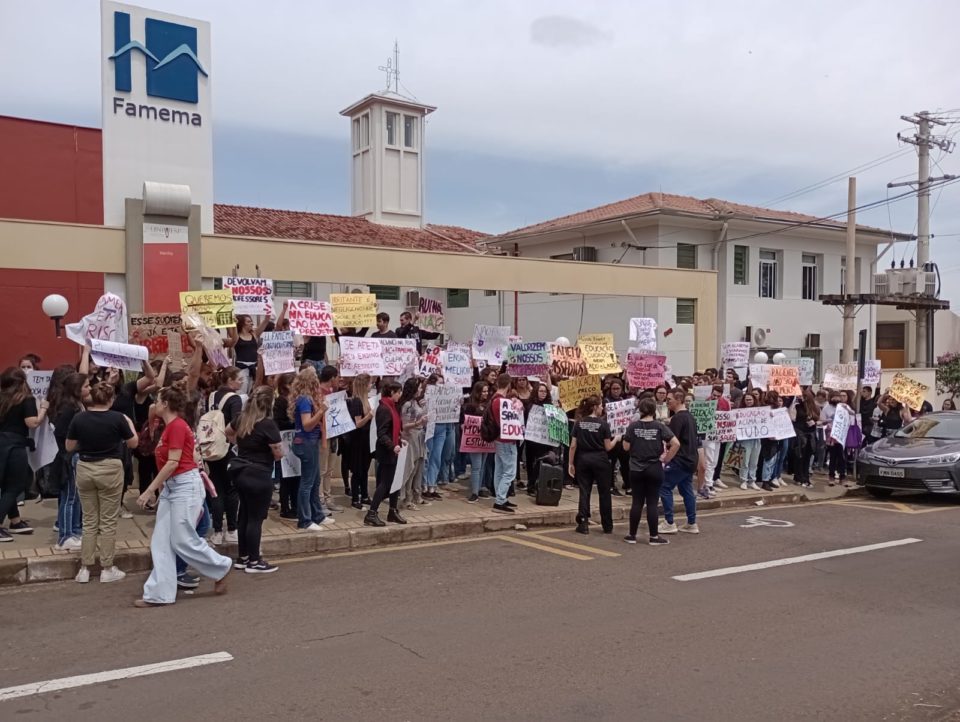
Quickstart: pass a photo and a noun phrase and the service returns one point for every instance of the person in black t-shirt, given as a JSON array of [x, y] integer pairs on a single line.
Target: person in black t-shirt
[[680, 470], [590, 442], [19, 414], [227, 399], [258, 446], [644, 441]]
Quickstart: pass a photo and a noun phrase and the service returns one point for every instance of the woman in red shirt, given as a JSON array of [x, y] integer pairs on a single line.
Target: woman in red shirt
[[181, 503]]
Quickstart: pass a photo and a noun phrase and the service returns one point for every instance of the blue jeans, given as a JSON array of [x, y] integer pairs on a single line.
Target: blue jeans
[[435, 453], [476, 472], [447, 472], [781, 458], [203, 526], [309, 510], [318, 365], [69, 510], [504, 469], [674, 476]]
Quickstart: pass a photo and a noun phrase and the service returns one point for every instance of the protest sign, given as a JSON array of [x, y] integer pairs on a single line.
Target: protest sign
[[276, 347], [45, 446], [644, 332], [702, 393], [840, 376], [430, 315], [125, 356], [573, 391], [645, 370], [760, 375], [752, 423], [151, 330], [725, 428], [39, 383], [620, 414], [530, 358], [705, 414], [457, 370], [470, 440], [214, 307], [337, 419], [841, 424], [374, 403], [598, 352], [804, 368], [490, 343], [785, 380], [431, 363], [398, 354], [871, 373], [251, 296], [401, 468], [511, 420], [290, 462], [361, 356], [736, 456], [310, 318], [107, 322], [735, 354], [537, 429], [907, 391], [354, 310], [558, 425], [567, 361], [175, 347], [781, 427], [443, 403]]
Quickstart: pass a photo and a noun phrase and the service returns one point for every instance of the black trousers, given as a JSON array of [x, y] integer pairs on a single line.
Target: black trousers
[[289, 487], [617, 454], [227, 500], [255, 490], [532, 454], [720, 454], [593, 467], [837, 461], [645, 487], [360, 469], [345, 449], [146, 470], [384, 482], [14, 477], [805, 447]]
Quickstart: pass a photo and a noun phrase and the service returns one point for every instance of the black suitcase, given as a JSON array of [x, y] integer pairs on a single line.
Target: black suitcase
[[549, 485]]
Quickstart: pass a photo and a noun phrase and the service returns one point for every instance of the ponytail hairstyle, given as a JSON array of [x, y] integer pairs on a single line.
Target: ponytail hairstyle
[[587, 406], [102, 394], [228, 374], [259, 406], [361, 390]]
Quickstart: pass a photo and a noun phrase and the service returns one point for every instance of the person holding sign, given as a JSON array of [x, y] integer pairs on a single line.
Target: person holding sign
[[590, 443], [358, 448], [245, 340], [408, 330], [307, 409], [413, 414], [389, 428], [18, 415]]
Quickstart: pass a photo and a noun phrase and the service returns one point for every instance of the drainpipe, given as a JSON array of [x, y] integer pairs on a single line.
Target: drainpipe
[[722, 292], [516, 298], [721, 237], [643, 261]]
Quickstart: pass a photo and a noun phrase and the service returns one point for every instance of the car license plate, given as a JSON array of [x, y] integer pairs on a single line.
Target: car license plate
[[894, 473]]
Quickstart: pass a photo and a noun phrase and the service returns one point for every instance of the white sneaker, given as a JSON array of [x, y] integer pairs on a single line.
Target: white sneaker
[[216, 538], [780, 482], [111, 574], [126, 514], [711, 492], [312, 527], [743, 485], [230, 537], [333, 506], [69, 544], [720, 485], [665, 528], [753, 485], [83, 576], [690, 529], [327, 521]]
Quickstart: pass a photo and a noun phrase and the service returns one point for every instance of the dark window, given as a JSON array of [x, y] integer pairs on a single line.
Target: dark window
[[740, 255], [386, 293], [809, 281], [458, 297], [686, 255], [891, 336], [686, 310], [293, 289], [768, 274]]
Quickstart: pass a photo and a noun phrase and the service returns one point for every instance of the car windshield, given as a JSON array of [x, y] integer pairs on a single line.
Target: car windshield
[[933, 426]]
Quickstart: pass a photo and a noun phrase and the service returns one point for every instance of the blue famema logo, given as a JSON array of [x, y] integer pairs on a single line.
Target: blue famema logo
[[170, 50]]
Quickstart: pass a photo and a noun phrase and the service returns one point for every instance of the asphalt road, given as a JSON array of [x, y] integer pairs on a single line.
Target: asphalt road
[[494, 629]]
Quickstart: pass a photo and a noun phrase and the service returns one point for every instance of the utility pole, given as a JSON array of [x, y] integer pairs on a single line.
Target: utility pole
[[849, 309]]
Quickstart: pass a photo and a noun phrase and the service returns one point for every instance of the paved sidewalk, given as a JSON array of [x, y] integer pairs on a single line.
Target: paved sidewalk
[[34, 558]]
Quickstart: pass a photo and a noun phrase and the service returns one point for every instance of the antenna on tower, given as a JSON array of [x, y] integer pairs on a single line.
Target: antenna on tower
[[392, 69]]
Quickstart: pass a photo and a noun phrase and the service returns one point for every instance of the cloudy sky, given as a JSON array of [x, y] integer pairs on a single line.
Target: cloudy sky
[[545, 108]]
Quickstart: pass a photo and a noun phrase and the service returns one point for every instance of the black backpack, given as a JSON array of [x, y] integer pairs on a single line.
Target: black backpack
[[489, 426]]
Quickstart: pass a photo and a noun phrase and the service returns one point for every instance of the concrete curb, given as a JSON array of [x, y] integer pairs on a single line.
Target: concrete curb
[[62, 567]]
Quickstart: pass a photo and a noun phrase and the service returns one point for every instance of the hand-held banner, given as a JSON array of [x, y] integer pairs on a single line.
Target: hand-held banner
[[276, 348], [361, 356], [310, 318], [567, 361], [908, 392], [599, 353], [107, 322], [126, 356], [511, 420], [490, 343], [354, 310], [251, 296], [430, 315]]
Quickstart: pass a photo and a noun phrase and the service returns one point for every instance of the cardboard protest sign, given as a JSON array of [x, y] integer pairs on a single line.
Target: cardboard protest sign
[[528, 358], [457, 370], [871, 373], [573, 391], [705, 414], [490, 343], [840, 376], [908, 391], [598, 352], [310, 318], [251, 296], [644, 332], [39, 383], [567, 361], [175, 347], [401, 468], [337, 419], [645, 370], [107, 322], [276, 348], [760, 375], [735, 354], [443, 403], [374, 403], [214, 307], [430, 315], [735, 457], [785, 380], [290, 463], [398, 355], [537, 429], [126, 356], [725, 428], [45, 446], [752, 423], [361, 356], [151, 330], [511, 420], [620, 414], [841, 424], [558, 425], [470, 440], [702, 393], [354, 310], [781, 427], [431, 362], [804, 368]]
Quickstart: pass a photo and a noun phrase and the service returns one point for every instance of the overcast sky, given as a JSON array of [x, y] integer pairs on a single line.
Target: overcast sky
[[546, 108]]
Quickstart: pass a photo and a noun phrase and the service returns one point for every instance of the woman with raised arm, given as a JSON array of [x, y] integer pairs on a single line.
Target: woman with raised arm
[[245, 342], [18, 414]]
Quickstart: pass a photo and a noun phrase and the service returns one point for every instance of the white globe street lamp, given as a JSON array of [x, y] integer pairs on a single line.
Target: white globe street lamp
[[779, 357], [562, 341], [56, 307], [760, 357]]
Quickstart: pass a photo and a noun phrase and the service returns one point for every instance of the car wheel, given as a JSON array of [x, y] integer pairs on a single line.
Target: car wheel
[[879, 493]]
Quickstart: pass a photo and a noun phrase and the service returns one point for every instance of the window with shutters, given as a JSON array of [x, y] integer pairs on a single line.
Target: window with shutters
[[686, 311], [740, 265], [458, 297], [768, 274], [293, 289], [686, 255], [809, 287], [386, 293]]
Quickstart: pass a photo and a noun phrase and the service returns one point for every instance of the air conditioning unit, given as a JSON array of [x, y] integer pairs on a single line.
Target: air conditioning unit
[[585, 253], [412, 299], [812, 341], [760, 337]]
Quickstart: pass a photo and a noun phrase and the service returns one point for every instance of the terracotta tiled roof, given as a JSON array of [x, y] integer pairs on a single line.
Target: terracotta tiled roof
[[654, 202], [299, 225]]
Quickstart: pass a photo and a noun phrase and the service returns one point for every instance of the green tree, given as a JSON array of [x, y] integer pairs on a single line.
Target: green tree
[[948, 374]]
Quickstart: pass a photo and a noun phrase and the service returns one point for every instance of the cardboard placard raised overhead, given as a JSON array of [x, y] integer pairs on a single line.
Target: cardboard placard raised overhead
[[398, 355], [354, 310], [430, 315], [310, 318], [573, 391], [251, 296], [107, 322], [567, 361], [276, 349], [490, 343], [528, 358], [645, 370], [361, 356], [735, 354], [804, 366], [908, 391], [599, 353], [841, 377], [150, 330], [644, 332], [214, 307], [457, 370], [785, 380], [125, 356]]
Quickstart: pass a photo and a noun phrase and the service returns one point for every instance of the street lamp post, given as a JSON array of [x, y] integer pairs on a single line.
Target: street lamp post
[[56, 307]]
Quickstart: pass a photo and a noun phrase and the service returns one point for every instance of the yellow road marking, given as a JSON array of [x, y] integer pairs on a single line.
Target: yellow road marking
[[581, 547], [895, 507], [545, 548], [396, 548]]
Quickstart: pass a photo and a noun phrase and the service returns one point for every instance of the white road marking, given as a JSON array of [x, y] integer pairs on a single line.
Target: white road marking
[[794, 560], [55, 685], [753, 521]]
